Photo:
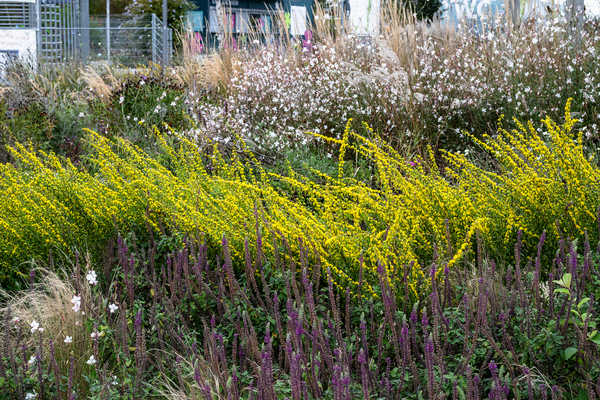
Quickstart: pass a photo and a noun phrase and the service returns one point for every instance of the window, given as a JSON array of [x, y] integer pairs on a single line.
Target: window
[[17, 15], [195, 20], [255, 23]]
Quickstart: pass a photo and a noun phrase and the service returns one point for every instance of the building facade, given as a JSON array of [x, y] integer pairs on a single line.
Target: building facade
[[248, 16]]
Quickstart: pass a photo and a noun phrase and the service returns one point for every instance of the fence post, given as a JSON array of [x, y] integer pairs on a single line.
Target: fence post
[[84, 28], [38, 32], [108, 30], [153, 39], [165, 39]]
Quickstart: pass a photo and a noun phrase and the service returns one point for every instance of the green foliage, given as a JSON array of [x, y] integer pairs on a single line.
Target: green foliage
[[30, 124], [424, 9], [140, 104]]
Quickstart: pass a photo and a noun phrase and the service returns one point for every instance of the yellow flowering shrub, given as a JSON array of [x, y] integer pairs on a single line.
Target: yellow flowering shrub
[[397, 220], [543, 181]]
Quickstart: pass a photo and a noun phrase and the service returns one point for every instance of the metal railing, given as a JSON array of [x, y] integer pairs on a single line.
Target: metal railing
[[121, 40], [159, 52], [16, 15]]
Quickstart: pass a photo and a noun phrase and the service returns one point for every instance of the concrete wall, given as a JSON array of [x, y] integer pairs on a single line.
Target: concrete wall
[[21, 41]]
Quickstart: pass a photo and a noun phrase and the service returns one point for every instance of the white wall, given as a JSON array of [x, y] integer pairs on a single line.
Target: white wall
[[22, 40], [364, 16]]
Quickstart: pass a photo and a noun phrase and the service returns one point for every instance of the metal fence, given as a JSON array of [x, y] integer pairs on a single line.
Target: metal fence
[[117, 39], [58, 37], [60, 31], [126, 41], [17, 15]]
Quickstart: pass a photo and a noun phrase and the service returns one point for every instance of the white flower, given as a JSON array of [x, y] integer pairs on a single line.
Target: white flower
[[31, 360], [30, 395], [113, 307], [81, 115], [76, 300], [121, 99], [91, 277], [35, 326], [15, 320], [69, 339], [91, 360]]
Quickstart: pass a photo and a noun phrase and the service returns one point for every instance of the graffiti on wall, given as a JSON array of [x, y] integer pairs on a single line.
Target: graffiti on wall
[[472, 10]]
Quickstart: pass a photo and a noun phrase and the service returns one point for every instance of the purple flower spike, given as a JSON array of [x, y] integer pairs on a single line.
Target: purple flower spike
[[493, 367]]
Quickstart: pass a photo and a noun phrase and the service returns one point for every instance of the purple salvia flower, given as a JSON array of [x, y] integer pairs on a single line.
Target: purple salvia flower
[[140, 351], [551, 294], [429, 354], [364, 372], [518, 268], [405, 343], [295, 376], [498, 386], [476, 382], [454, 391], [347, 309], [555, 393], [389, 308], [529, 383], [470, 389], [129, 280], [446, 286], [197, 376], [266, 368], [543, 390], [336, 381]]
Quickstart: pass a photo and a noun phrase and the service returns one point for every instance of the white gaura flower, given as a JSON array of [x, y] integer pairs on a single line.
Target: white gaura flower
[[30, 395], [112, 308], [31, 360], [69, 339], [35, 326], [76, 300], [121, 100], [91, 277], [91, 360]]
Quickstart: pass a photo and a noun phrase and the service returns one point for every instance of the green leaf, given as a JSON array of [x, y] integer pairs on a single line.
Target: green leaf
[[595, 337], [569, 352], [566, 279], [583, 302], [562, 290]]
